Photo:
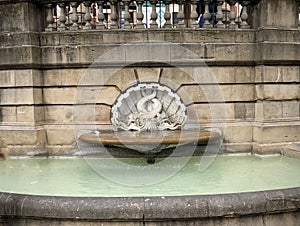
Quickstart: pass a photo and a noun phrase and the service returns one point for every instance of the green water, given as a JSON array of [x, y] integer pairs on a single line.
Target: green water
[[74, 176]]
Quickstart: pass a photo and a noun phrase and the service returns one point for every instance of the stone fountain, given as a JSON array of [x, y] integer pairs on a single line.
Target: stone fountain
[[149, 118]]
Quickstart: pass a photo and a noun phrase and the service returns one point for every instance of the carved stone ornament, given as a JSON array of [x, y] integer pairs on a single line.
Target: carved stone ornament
[[148, 106]]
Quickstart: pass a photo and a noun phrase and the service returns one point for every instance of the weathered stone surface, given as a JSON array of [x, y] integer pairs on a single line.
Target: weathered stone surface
[[60, 136], [280, 109], [26, 17], [12, 78], [277, 74], [292, 150], [218, 93], [125, 77], [17, 96], [239, 133], [23, 136], [278, 92], [173, 77], [148, 74], [87, 114], [282, 132], [276, 14], [58, 77], [80, 95]]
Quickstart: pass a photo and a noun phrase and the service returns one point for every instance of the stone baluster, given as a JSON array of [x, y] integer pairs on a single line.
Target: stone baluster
[[49, 18], [167, 14], [153, 15], [140, 15], [87, 15], [126, 15], [100, 25], [232, 15], [180, 15], [74, 17], [244, 17], [207, 15], [220, 15], [62, 17], [114, 15], [194, 14]]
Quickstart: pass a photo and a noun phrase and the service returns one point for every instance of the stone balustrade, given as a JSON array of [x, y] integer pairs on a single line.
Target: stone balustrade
[[113, 14], [47, 47]]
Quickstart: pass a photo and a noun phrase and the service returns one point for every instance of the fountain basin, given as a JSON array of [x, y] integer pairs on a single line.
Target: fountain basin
[[257, 205], [150, 142], [154, 137]]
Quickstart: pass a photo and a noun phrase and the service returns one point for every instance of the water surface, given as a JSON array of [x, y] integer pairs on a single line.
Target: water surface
[[74, 176]]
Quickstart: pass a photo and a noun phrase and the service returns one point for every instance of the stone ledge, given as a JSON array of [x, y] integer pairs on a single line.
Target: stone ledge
[[151, 208], [292, 150]]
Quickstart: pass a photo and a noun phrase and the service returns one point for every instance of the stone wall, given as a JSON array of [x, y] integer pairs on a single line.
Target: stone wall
[[256, 70]]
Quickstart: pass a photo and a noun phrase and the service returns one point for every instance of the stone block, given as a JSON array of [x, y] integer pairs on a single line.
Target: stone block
[[279, 133], [275, 14], [23, 136], [60, 136], [244, 111], [272, 109], [29, 114], [277, 74], [95, 114], [20, 96], [218, 93], [278, 52], [234, 52], [22, 56], [277, 35], [8, 114], [61, 77], [59, 95], [237, 147], [153, 52], [259, 111], [211, 112], [58, 114], [28, 77], [80, 95], [223, 74], [291, 150], [281, 92], [125, 77], [188, 53], [60, 150], [239, 133], [148, 74], [244, 74], [267, 149], [22, 16], [174, 77], [290, 109]]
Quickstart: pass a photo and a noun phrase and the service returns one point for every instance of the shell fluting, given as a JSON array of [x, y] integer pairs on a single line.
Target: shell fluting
[[148, 106]]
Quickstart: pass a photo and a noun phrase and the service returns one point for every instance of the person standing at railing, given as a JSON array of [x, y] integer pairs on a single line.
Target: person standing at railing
[[201, 9]]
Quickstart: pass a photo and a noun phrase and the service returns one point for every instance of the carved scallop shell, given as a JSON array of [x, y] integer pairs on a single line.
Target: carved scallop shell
[[148, 106]]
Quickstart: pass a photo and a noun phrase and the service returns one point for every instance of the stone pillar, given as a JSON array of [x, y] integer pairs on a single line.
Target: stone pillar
[[21, 111], [275, 14], [21, 16], [277, 121]]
